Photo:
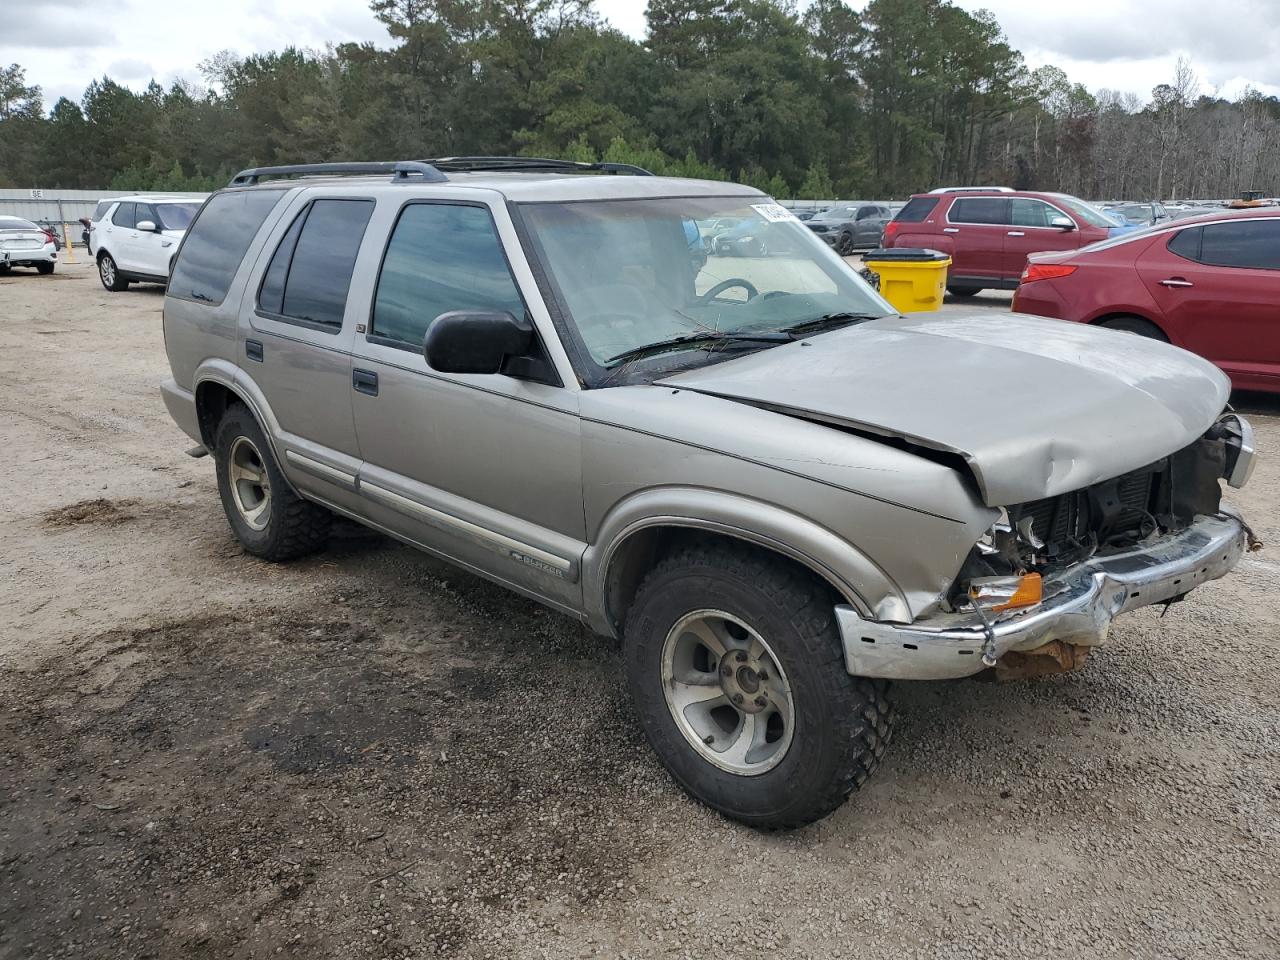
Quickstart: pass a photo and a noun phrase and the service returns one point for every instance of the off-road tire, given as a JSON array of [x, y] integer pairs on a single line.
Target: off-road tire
[[118, 282], [843, 724], [959, 290], [1135, 325], [295, 527], [45, 268]]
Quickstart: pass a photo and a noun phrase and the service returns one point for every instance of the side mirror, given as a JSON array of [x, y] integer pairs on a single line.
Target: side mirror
[[147, 226], [466, 341], [1062, 223]]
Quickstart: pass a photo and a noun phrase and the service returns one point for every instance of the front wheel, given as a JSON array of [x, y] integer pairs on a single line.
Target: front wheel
[[736, 668], [267, 517], [109, 274], [845, 245], [958, 290]]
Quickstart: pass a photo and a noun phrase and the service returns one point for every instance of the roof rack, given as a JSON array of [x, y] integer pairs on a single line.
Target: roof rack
[[973, 190], [401, 170], [531, 164]]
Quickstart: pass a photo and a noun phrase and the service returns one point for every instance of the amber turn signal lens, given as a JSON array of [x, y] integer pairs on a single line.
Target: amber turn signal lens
[[1007, 593]]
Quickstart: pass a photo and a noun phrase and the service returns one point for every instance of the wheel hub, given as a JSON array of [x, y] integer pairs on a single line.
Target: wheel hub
[[727, 692]]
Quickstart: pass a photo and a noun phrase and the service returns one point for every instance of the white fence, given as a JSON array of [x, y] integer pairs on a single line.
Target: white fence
[[56, 207]]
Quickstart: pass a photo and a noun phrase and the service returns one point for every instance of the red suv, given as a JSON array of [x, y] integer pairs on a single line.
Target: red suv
[[1209, 284], [989, 231]]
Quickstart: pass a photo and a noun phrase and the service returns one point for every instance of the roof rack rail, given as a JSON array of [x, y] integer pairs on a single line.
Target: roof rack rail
[[973, 190], [497, 164], [401, 170]]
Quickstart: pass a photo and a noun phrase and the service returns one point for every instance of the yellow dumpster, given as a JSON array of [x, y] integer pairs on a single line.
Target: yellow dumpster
[[913, 279]]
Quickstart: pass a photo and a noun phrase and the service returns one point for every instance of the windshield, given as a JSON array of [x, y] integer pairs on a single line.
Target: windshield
[[628, 277], [1134, 211], [1090, 215], [176, 216]]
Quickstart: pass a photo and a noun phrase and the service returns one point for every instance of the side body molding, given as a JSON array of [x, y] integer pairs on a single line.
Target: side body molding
[[851, 572]]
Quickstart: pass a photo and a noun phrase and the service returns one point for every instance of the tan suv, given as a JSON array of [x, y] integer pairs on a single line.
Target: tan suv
[[777, 492]]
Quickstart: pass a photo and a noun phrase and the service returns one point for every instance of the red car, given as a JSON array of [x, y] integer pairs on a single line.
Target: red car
[[1209, 284], [989, 231]]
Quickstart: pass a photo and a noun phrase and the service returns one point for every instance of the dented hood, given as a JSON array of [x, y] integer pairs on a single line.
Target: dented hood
[[1036, 407]]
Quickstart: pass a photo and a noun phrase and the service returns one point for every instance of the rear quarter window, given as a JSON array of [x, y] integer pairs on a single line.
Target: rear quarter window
[[916, 210], [217, 241]]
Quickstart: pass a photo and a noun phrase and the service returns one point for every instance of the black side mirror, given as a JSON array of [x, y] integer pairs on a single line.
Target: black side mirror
[[465, 341]]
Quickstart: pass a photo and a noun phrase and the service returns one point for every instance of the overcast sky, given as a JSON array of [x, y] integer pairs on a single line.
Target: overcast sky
[[1123, 44]]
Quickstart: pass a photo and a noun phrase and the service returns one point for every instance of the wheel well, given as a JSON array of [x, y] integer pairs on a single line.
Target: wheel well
[[1126, 315], [643, 550], [212, 401]]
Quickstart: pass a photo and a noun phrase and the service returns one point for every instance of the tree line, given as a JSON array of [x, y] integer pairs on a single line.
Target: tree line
[[818, 103]]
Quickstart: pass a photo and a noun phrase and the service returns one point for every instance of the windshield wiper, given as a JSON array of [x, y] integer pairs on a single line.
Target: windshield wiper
[[698, 339], [830, 320]]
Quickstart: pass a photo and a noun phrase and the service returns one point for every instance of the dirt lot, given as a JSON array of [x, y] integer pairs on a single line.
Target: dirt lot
[[368, 754]]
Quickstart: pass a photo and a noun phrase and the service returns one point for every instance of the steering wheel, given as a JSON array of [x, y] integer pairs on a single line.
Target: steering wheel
[[729, 284]]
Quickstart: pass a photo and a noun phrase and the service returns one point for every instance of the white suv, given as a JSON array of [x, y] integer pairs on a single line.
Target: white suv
[[137, 238]]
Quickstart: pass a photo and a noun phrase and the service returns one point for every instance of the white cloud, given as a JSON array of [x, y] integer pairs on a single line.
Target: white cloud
[[1128, 45]]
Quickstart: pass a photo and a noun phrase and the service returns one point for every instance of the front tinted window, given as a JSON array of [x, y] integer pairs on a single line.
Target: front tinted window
[[143, 211], [916, 210], [1246, 243], [979, 210], [175, 216], [1030, 213], [217, 241], [124, 215], [442, 257], [1082, 211], [322, 259]]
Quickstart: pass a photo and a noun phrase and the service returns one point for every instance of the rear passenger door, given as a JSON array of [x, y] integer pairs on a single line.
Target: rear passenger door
[[977, 227], [118, 234], [483, 469], [1218, 286], [297, 345]]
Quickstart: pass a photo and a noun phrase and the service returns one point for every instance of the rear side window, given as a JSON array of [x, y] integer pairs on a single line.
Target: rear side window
[[217, 241], [125, 215], [1186, 244], [979, 210], [441, 257], [916, 210], [310, 272], [1246, 243]]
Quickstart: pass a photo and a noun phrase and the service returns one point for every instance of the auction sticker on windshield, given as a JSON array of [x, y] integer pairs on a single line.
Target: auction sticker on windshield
[[773, 212]]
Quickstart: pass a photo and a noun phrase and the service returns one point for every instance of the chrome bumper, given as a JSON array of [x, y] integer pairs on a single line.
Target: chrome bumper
[[1078, 608]]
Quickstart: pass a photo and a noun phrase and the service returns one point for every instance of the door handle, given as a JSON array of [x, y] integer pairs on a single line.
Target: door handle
[[365, 381], [1176, 282], [253, 350], [950, 229], [1016, 233]]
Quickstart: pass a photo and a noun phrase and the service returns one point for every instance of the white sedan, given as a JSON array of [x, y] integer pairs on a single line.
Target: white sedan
[[23, 244]]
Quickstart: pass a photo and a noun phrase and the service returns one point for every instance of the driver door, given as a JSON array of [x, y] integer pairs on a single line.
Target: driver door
[[485, 470]]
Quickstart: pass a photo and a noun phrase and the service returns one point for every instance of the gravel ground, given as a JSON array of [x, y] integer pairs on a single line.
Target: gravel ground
[[369, 754]]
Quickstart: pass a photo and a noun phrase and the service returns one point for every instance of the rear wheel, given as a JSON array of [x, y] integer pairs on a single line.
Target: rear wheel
[[45, 268], [1143, 328], [109, 274], [267, 517], [736, 668], [960, 290]]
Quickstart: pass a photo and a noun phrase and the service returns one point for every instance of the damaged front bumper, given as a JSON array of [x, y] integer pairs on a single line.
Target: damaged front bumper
[[1078, 607]]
